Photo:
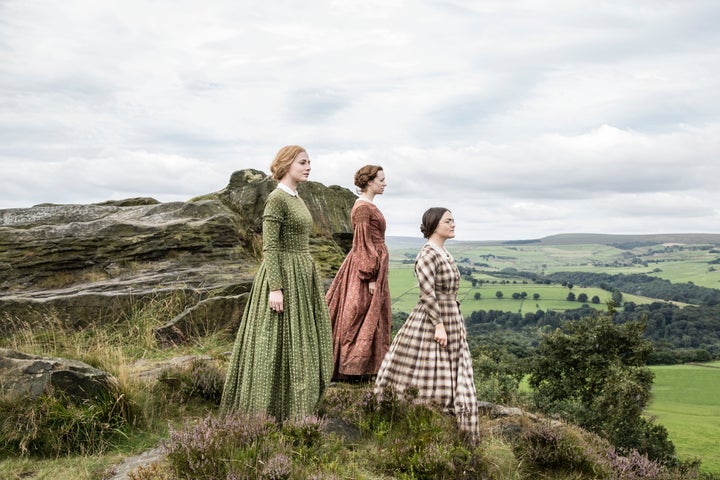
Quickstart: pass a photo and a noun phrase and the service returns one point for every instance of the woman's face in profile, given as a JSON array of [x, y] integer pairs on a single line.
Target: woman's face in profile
[[446, 227], [299, 170], [377, 185]]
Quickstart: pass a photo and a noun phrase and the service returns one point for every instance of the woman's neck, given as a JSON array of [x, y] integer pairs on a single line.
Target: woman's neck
[[437, 240], [289, 184], [367, 196]]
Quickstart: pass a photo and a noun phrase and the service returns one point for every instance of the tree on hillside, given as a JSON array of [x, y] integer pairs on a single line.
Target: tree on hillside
[[593, 372], [499, 294], [571, 297], [595, 299], [582, 297], [617, 297]]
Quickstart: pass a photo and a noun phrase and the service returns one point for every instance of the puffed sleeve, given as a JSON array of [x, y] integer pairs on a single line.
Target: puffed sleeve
[[364, 251], [426, 267], [273, 218]]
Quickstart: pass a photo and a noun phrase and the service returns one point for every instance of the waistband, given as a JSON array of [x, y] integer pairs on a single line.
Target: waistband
[[445, 296]]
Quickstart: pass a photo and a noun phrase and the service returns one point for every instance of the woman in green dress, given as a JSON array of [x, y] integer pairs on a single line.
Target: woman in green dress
[[282, 359]]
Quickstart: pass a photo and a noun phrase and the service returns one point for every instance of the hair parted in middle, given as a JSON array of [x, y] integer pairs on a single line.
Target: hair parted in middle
[[366, 175], [430, 220], [284, 158]]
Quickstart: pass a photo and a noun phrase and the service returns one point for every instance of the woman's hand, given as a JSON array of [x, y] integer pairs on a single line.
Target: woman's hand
[[275, 300], [371, 286], [441, 335]]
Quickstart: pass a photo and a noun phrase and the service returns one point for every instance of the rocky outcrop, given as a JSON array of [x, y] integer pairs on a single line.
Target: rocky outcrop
[[29, 376], [85, 264], [209, 315], [247, 190], [40, 242]]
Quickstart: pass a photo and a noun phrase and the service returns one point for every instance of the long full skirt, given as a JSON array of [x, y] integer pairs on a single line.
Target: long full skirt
[[443, 376], [361, 323], [282, 362]]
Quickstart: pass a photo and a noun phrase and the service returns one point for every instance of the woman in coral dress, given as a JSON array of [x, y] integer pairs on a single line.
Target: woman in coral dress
[[282, 359], [430, 352], [359, 297]]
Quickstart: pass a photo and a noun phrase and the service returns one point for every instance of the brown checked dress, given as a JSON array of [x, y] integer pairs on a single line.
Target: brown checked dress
[[442, 375], [361, 322]]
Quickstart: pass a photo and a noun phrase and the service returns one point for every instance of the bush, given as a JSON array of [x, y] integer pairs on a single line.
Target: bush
[[418, 440], [204, 449], [53, 425], [543, 447], [497, 375], [246, 446], [202, 380], [567, 449], [593, 373]]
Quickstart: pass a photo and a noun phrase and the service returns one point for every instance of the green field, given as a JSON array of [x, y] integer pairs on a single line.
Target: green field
[[404, 294], [678, 265], [686, 400]]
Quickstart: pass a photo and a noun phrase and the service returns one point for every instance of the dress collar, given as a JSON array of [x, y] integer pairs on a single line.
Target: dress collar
[[287, 189], [440, 249]]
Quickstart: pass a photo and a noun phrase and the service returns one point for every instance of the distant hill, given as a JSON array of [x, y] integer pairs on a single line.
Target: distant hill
[[401, 243], [581, 239], [608, 239]]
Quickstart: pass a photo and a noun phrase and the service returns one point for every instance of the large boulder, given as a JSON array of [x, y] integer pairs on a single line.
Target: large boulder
[[41, 242], [84, 264], [29, 376], [248, 189], [207, 316]]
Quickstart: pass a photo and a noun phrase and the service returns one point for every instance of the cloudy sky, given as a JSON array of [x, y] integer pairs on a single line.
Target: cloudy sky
[[526, 118]]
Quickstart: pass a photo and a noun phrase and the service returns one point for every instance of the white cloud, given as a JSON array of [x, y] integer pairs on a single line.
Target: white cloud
[[525, 118]]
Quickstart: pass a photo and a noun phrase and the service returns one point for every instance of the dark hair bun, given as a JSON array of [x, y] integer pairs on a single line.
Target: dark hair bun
[[431, 219]]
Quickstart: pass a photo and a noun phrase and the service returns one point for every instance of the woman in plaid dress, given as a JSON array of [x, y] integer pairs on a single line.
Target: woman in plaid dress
[[430, 352]]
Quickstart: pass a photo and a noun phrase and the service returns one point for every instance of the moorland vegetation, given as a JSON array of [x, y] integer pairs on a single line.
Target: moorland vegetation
[[515, 295], [552, 432], [564, 399]]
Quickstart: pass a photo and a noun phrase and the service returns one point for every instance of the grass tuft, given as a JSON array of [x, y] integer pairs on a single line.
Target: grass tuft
[[52, 425], [202, 379]]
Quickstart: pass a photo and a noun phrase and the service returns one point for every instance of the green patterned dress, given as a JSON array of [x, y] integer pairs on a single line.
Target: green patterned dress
[[282, 362]]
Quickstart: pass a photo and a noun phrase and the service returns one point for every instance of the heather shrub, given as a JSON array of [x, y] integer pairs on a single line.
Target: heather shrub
[[53, 424], [638, 466], [204, 449], [423, 459], [305, 432], [633, 466], [417, 440], [154, 471], [542, 447], [202, 380], [247, 446], [348, 403]]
